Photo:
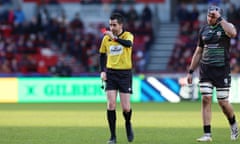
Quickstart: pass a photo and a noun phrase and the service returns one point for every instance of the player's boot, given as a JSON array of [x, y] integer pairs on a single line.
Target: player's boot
[[205, 138], [112, 140], [234, 131]]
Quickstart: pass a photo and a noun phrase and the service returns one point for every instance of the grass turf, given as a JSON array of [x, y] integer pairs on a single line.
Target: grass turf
[[85, 123]]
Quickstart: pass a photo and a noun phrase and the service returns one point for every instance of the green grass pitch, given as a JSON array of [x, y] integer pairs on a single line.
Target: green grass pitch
[[85, 123]]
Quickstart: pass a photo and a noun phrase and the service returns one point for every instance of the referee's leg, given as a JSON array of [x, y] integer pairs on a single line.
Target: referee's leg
[[127, 114], [111, 114]]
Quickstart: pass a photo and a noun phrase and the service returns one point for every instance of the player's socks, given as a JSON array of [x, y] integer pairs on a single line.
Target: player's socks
[[232, 120], [207, 129], [128, 126], [111, 117]]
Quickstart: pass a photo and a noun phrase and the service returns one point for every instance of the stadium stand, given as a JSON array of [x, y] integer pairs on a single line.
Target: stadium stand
[[46, 43], [55, 37]]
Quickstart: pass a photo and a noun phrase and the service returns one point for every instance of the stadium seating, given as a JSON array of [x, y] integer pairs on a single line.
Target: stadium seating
[[36, 45]]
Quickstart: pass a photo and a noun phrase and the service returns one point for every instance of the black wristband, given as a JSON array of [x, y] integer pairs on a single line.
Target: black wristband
[[190, 71], [219, 19]]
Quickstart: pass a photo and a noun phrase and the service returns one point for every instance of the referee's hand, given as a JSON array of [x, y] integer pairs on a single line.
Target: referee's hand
[[103, 76], [109, 33]]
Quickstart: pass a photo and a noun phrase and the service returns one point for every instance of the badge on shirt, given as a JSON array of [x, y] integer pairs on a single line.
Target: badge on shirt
[[116, 50], [219, 33]]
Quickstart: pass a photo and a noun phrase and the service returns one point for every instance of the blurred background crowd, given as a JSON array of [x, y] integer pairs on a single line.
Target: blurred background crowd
[[59, 46], [190, 22]]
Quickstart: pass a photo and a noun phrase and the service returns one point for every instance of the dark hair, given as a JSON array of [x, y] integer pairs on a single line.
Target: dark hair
[[118, 17]]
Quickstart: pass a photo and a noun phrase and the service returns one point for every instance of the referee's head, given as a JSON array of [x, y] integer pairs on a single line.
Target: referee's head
[[118, 17], [116, 23]]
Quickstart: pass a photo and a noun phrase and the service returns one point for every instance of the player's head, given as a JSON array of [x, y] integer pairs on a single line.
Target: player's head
[[116, 23], [211, 18], [215, 8]]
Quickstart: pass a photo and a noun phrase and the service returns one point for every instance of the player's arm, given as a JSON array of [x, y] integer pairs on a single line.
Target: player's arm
[[196, 58], [229, 28], [194, 63], [197, 53]]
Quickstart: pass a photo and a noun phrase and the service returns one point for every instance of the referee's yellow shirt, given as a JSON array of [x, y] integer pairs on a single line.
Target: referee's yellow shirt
[[118, 56]]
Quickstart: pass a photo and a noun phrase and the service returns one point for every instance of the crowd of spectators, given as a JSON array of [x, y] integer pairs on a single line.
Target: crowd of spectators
[[62, 47], [190, 22]]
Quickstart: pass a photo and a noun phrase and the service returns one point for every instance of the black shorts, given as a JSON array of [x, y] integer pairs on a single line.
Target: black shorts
[[219, 76], [120, 80]]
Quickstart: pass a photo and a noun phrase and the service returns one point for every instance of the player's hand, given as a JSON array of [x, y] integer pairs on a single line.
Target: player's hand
[[109, 33], [103, 76], [189, 78], [215, 14]]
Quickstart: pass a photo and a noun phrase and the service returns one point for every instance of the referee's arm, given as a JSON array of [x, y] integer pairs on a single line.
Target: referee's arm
[[125, 43], [103, 61]]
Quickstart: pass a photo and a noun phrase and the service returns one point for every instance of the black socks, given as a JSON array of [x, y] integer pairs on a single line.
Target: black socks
[[111, 117], [232, 120], [128, 126], [207, 129], [127, 116]]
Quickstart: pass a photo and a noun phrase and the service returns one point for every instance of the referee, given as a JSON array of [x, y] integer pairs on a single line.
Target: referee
[[116, 71]]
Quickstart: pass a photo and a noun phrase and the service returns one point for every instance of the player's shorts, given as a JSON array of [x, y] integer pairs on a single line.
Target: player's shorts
[[120, 80], [218, 76]]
